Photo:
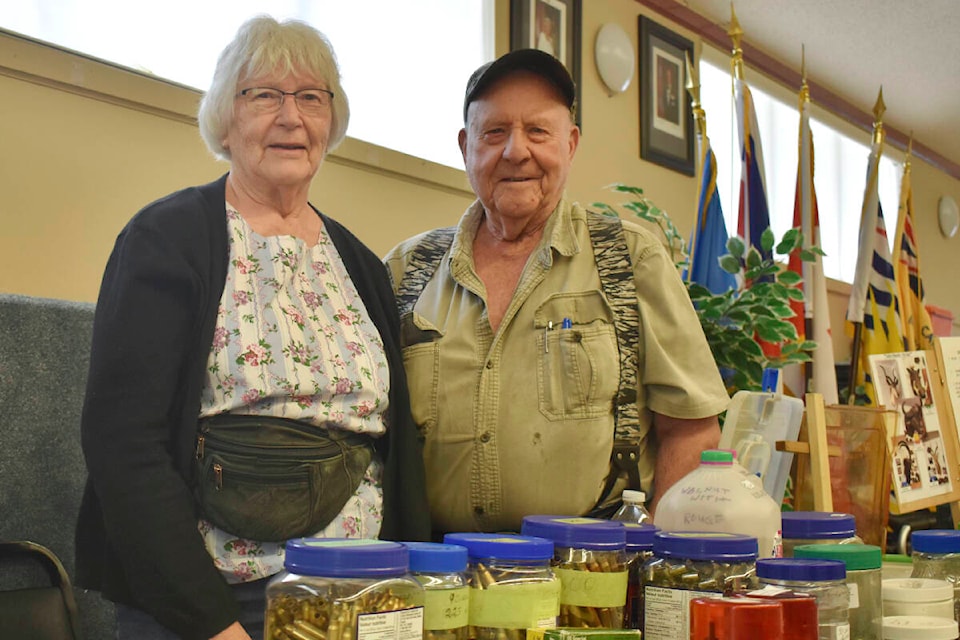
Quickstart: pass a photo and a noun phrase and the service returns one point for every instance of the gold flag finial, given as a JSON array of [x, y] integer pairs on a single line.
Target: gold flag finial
[[878, 110], [693, 88], [906, 161], [736, 34], [804, 88]]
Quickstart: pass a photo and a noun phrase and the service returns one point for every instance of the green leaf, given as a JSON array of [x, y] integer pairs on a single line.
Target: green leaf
[[754, 259], [792, 240], [730, 264], [766, 240], [735, 246], [789, 277], [795, 294]]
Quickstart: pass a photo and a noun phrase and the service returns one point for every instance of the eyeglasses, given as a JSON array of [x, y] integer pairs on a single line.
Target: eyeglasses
[[311, 102]]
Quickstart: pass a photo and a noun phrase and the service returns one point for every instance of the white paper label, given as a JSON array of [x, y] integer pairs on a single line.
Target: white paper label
[[854, 595], [667, 612], [391, 625]]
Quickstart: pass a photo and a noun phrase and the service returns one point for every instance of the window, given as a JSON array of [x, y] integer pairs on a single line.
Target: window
[[404, 64], [839, 172]]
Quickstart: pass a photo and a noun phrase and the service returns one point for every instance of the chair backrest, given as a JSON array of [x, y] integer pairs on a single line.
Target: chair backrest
[[44, 356], [31, 611]]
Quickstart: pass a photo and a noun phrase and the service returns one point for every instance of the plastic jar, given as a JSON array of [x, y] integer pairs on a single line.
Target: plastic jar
[[917, 597], [589, 557], [799, 613], [512, 587], [341, 589], [919, 628], [864, 577], [687, 565], [936, 554], [825, 580], [712, 618], [442, 570], [720, 495], [817, 527], [639, 550]]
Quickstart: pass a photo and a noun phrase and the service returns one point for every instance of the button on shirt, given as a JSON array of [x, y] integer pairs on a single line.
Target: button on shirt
[[520, 421]]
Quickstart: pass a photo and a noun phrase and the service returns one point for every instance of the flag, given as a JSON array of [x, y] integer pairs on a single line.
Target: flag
[[709, 238], [753, 216], [873, 299], [812, 312], [915, 321]]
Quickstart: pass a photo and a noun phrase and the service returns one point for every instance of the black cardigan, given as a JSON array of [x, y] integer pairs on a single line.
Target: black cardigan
[[136, 537]]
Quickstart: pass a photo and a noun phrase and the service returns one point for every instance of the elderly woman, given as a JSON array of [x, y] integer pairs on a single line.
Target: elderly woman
[[237, 304]]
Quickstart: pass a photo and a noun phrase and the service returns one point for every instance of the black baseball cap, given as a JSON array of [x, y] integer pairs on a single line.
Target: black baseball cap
[[533, 60]]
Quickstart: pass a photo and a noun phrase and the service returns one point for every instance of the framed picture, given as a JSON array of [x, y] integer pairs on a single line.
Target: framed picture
[[666, 119], [924, 446], [552, 26]]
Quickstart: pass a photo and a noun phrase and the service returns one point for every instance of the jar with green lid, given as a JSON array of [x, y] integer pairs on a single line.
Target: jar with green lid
[[589, 557], [825, 580], [936, 554], [816, 527], [512, 587], [442, 570], [864, 579], [692, 564], [344, 589], [639, 550]]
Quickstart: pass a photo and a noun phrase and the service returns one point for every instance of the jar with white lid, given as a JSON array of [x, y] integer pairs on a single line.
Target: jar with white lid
[[825, 580], [589, 557], [936, 554], [512, 587], [919, 628], [344, 589], [864, 577], [917, 596], [816, 527], [442, 570]]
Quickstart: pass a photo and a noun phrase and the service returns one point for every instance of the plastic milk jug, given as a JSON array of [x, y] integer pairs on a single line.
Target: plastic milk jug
[[721, 495]]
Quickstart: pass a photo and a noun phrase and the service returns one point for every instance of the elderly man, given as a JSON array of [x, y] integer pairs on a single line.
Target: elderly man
[[514, 341]]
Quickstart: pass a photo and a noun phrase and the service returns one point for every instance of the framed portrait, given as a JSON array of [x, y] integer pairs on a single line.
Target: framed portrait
[[666, 119], [552, 26]]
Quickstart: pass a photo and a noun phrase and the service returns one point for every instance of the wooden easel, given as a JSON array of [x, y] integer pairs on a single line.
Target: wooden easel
[[815, 427]]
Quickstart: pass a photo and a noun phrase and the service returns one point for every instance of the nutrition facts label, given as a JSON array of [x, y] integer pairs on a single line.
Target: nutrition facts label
[[667, 612], [392, 625]]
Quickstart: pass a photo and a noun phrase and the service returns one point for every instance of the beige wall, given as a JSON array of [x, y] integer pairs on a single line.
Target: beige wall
[[85, 144]]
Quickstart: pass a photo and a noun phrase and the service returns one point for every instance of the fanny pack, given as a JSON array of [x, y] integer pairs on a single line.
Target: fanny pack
[[272, 479]]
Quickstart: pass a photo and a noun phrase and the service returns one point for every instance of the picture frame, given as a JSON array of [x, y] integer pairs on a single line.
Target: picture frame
[[553, 26], [666, 119]]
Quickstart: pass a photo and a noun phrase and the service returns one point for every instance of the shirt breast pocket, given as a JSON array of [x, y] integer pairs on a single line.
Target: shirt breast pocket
[[579, 368], [421, 360]]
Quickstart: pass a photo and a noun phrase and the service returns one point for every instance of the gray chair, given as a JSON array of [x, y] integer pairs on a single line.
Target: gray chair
[[44, 355]]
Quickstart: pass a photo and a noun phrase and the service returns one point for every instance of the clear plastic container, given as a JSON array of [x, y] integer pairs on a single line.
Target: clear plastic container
[[442, 570], [864, 577], [919, 628], [936, 554], [344, 589], [586, 545], [632, 509], [825, 580], [712, 618], [722, 496], [917, 597], [687, 565], [799, 613], [512, 587], [639, 550], [817, 527]]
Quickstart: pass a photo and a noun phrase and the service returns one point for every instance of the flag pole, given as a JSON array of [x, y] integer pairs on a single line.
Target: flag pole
[[806, 367], [700, 117], [878, 110]]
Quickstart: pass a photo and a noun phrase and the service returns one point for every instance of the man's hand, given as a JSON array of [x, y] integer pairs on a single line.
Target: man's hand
[[233, 632], [680, 443]]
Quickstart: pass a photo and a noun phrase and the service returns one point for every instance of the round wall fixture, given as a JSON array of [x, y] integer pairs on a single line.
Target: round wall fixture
[[949, 216], [615, 58]]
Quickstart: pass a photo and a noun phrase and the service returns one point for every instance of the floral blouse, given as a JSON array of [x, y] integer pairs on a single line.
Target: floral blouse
[[294, 340]]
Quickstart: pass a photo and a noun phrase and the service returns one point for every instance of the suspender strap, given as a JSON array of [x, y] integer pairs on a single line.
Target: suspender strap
[[424, 261], [615, 268]]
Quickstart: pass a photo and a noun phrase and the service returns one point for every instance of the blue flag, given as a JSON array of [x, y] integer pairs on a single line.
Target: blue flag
[[753, 216], [709, 238]]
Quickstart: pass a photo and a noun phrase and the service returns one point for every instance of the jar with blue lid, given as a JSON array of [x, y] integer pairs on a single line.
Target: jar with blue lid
[[639, 550], [344, 589], [825, 580], [936, 554], [816, 527], [512, 586], [589, 557], [442, 570], [692, 564]]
